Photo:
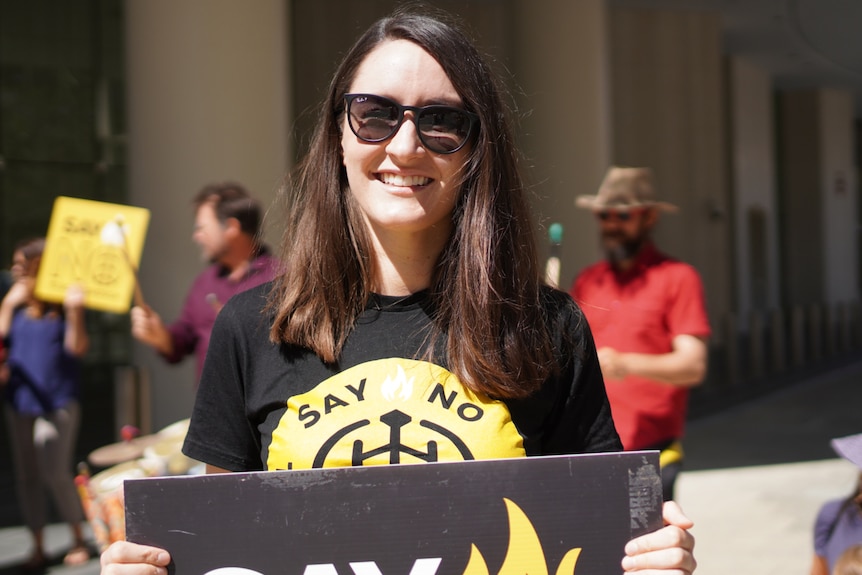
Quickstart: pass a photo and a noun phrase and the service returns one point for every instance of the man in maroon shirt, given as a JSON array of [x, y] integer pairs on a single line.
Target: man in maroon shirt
[[227, 222], [648, 316]]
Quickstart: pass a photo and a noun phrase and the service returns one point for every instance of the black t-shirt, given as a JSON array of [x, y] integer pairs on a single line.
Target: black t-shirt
[[262, 406]]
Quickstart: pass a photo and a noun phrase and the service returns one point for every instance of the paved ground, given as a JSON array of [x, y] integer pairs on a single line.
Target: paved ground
[[756, 475]]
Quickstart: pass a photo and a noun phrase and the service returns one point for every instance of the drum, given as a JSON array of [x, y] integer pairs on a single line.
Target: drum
[[102, 499], [148, 456], [121, 451], [166, 454]]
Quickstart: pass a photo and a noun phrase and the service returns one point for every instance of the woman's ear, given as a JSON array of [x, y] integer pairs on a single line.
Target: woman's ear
[[232, 227]]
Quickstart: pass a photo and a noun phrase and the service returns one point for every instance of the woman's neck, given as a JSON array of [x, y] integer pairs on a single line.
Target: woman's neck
[[405, 265], [402, 278]]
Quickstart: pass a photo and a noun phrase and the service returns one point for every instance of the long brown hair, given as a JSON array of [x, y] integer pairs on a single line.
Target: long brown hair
[[486, 286]]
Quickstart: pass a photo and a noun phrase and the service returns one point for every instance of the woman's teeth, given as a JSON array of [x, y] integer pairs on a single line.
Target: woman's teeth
[[404, 181]]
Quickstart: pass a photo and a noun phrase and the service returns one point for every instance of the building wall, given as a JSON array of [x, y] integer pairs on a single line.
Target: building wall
[[207, 100], [560, 64]]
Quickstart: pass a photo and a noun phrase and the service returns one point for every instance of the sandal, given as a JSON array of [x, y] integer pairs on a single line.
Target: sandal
[[77, 555]]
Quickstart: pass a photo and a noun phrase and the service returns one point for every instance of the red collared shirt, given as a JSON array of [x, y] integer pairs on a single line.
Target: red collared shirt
[[641, 311]]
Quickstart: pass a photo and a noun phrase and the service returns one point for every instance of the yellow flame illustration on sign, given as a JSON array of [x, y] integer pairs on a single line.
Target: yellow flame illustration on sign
[[525, 555]]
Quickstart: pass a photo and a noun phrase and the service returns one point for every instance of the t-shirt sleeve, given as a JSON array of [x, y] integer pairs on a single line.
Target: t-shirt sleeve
[[583, 423], [823, 525], [220, 432], [687, 310]]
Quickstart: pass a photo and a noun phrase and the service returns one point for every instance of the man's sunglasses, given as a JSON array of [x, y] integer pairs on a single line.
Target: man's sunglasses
[[621, 215], [441, 129]]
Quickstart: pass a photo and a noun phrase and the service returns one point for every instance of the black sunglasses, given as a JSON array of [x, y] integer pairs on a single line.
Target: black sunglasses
[[621, 215], [441, 129]]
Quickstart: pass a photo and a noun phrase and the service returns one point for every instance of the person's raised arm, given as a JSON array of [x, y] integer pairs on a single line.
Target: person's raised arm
[[75, 339], [147, 327], [18, 295]]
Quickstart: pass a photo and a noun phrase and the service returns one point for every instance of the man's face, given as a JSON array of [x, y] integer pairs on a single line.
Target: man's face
[[209, 234], [623, 232]]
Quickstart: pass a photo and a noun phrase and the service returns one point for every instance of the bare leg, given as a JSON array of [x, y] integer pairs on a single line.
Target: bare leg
[[37, 557]]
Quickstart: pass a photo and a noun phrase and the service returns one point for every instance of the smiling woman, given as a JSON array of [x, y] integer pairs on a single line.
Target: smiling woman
[[461, 219], [410, 196]]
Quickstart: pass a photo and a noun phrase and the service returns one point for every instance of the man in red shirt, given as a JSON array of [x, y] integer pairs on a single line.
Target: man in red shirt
[[648, 316]]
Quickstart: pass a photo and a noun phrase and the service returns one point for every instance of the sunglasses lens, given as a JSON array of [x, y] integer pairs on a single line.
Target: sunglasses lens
[[372, 118], [442, 129], [619, 215]]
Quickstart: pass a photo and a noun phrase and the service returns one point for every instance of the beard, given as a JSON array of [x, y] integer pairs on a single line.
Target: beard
[[620, 248]]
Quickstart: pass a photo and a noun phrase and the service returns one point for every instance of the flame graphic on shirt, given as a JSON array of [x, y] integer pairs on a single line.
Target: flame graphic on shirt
[[399, 385], [524, 555]]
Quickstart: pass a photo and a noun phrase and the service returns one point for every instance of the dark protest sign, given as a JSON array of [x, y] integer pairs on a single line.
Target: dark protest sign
[[534, 515]]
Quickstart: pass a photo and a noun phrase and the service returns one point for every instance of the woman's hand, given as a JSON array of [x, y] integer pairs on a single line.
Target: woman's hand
[[124, 558], [75, 340], [74, 298], [668, 551]]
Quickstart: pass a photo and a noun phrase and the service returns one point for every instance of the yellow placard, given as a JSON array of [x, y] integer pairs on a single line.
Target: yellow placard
[[97, 245]]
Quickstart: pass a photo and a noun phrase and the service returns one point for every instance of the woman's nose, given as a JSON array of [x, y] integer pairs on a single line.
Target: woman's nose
[[405, 141]]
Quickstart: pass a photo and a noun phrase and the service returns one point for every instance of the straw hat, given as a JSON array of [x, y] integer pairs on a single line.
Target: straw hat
[[850, 448], [625, 188]]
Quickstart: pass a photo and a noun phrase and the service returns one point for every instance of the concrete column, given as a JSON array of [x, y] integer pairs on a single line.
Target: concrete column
[[819, 197], [815, 332], [778, 335], [755, 230], [855, 313], [730, 323], [559, 63], [839, 191], [207, 86], [798, 356], [668, 113], [756, 349]]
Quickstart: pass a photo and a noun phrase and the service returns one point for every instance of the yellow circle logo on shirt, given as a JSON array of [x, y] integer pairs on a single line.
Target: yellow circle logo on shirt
[[391, 411]]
